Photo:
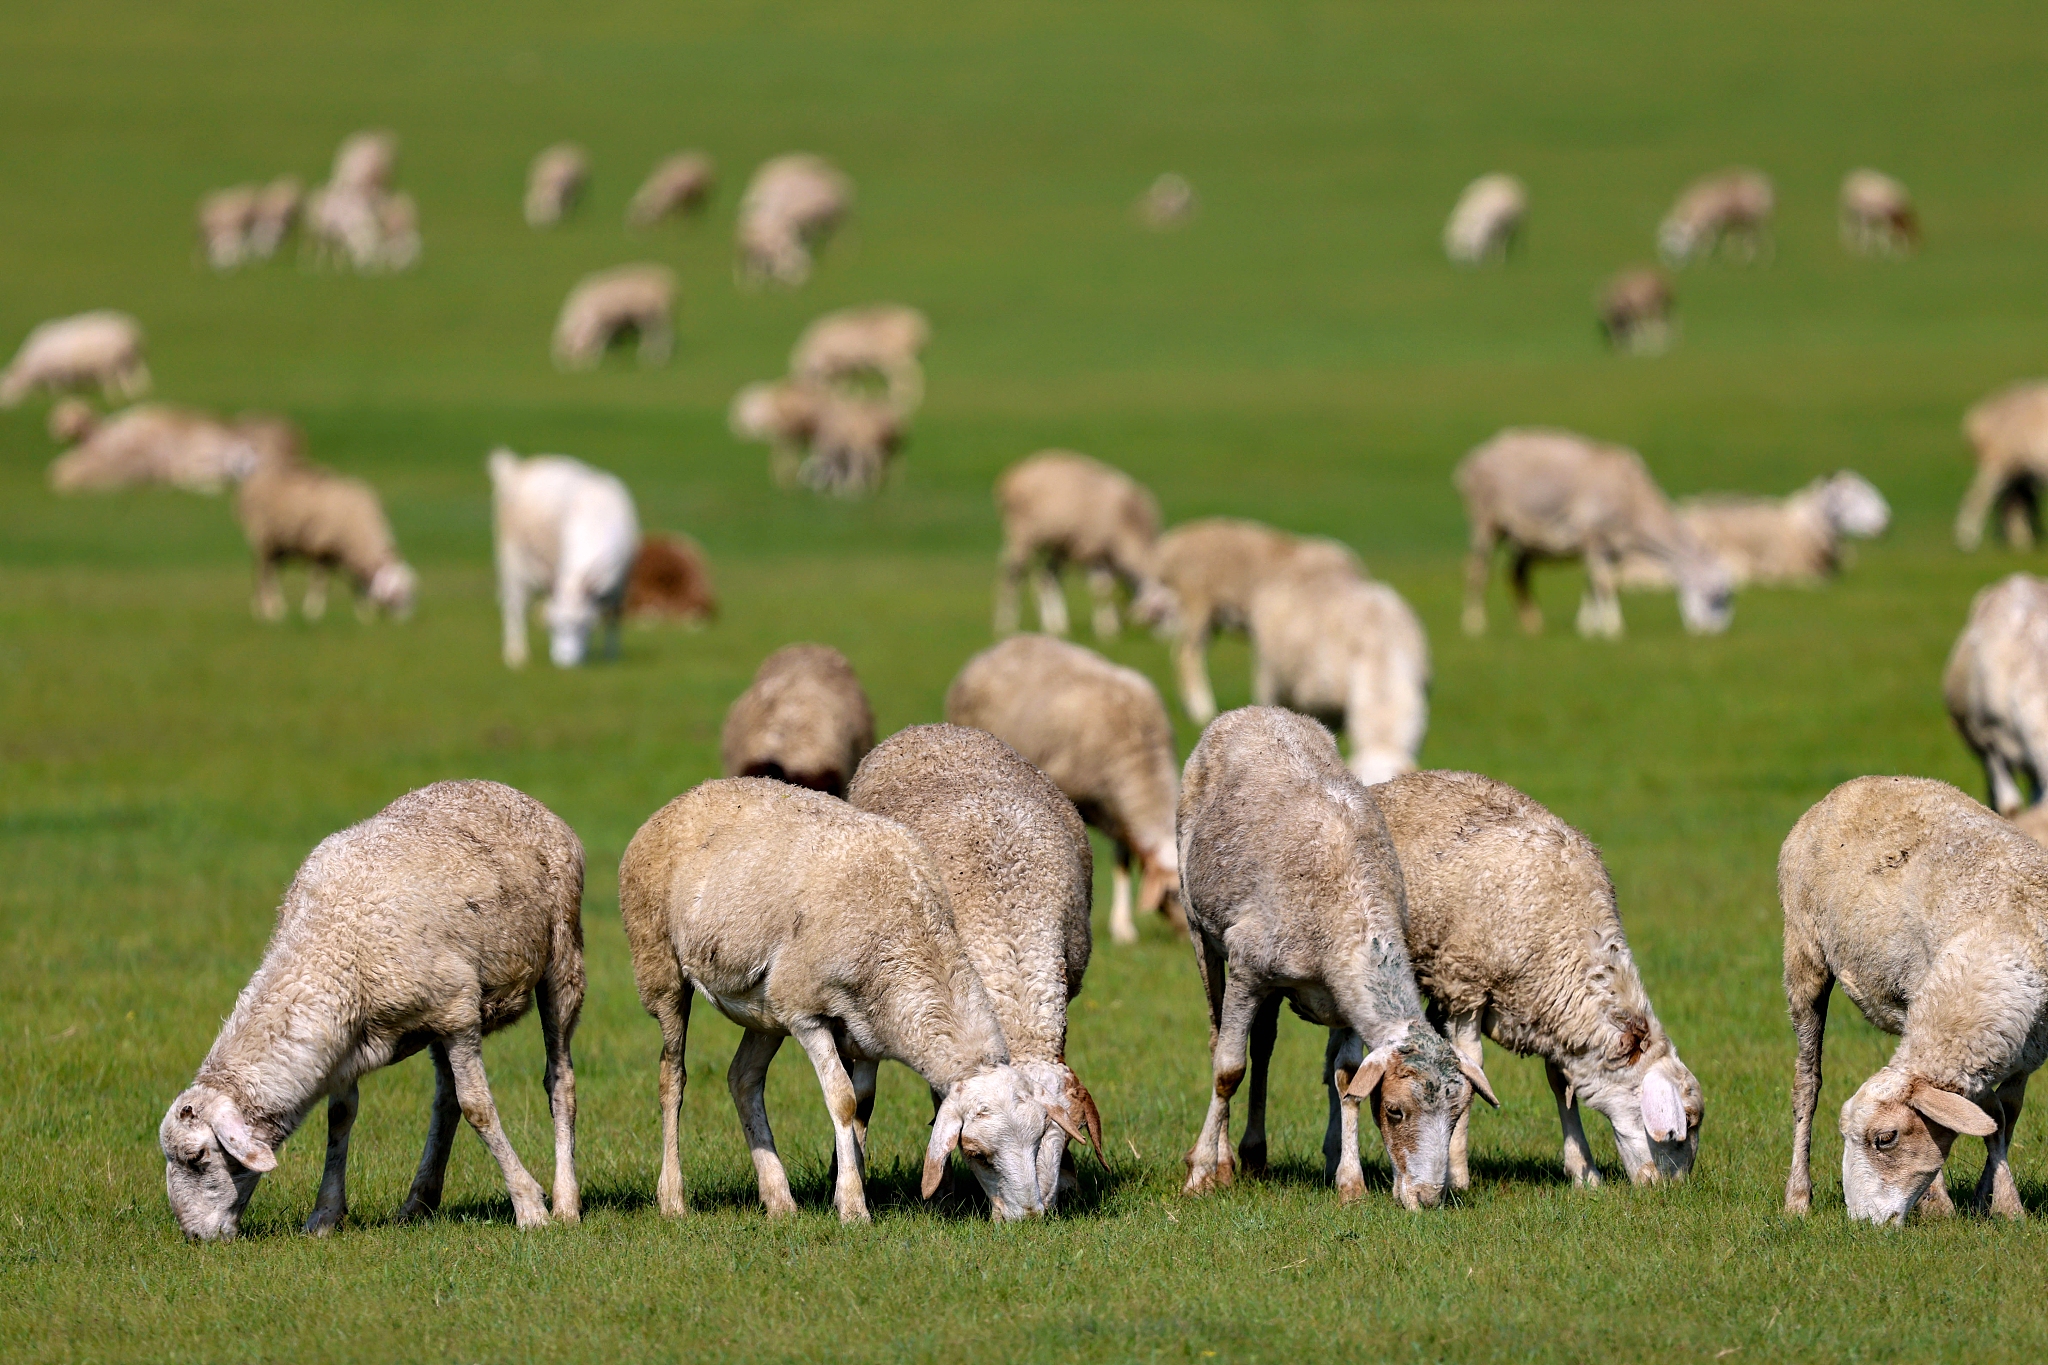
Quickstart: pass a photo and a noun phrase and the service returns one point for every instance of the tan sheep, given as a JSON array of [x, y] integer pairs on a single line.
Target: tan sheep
[[606, 305], [1729, 211], [153, 444], [2009, 431], [678, 185], [882, 341], [853, 442], [783, 415], [555, 182], [291, 510], [1488, 217], [804, 720], [790, 207], [102, 348], [1996, 687], [1101, 734], [1794, 539], [1877, 215], [276, 214], [1060, 508], [1635, 311]]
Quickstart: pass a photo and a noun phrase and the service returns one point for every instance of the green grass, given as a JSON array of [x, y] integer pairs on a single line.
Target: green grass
[[1301, 354]]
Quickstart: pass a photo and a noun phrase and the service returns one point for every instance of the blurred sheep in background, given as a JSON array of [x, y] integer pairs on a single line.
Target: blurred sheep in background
[[679, 185], [1729, 211], [606, 305], [1486, 221], [790, 207], [102, 348], [554, 183], [1877, 215]]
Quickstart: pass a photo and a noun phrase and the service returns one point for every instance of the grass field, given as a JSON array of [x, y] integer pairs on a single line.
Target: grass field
[[1300, 354]]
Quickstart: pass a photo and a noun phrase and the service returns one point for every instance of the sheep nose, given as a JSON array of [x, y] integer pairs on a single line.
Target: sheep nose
[[1426, 1196]]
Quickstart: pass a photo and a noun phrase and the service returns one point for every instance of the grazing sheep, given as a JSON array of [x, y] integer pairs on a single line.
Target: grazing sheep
[[2009, 431], [1635, 311], [292, 510], [1795, 539], [1729, 210], [276, 214], [680, 184], [371, 230], [1996, 686], [434, 922], [566, 530], [1558, 495], [782, 414], [805, 720], [152, 444], [1513, 934], [554, 183], [796, 914], [882, 340], [225, 219], [607, 304], [1019, 875], [1925, 907], [1204, 575], [1486, 221], [1346, 652], [790, 206], [103, 348], [670, 580], [1100, 733], [1060, 508], [1168, 202], [852, 445], [1877, 215], [1293, 885]]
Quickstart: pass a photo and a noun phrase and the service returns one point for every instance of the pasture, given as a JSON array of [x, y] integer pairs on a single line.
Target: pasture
[[1300, 353]]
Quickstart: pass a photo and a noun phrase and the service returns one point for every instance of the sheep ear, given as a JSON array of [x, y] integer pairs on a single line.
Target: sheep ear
[[1059, 1115], [1475, 1074], [1663, 1107], [1370, 1071], [241, 1141], [1951, 1110], [1080, 1101], [945, 1137]]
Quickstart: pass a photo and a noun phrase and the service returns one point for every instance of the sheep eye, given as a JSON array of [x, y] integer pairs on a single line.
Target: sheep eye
[[1886, 1140], [1395, 1113]]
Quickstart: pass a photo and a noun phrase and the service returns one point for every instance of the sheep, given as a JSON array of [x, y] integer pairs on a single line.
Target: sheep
[[567, 530], [1293, 885], [1019, 874], [679, 184], [1487, 220], [783, 415], [1168, 202], [365, 161], [370, 229], [796, 914], [554, 183], [1348, 651], [276, 213], [1204, 574], [1729, 210], [1996, 687], [1558, 495], [1060, 508], [1925, 907], [607, 304], [2009, 431], [102, 347], [1635, 311], [790, 206], [152, 444], [225, 219], [670, 580], [1101, 734], [804, 720], [1513, 934], [1877, 215], [434, 922], [852, 444], [292, 510], [881, 340], [1795, 539]]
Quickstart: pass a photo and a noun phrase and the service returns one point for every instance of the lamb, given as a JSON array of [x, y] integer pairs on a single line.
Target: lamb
[[554, 183], [1168, 202], [1019, 875], [1877, 215], [790, 206], [1635, 311], [1204, 574], [102, 347], [567, 530], [1486, 221], [1101, 734], [680, 184], [1795, 539], [1926, 908], [434, 922], [1347, 651], [670, 580], [153, 444], [1293, 885], [1513, 933], [1060, 508], [1729, 210], [1558, 495], [805, 720], [796, 914], [1996, 687], [292, 510], [882, 340], [607, 304], [225, 219], [2009, 431]]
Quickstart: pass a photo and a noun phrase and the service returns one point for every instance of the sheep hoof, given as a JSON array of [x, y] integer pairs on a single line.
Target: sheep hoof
[[1350, 1190], [413, 1210], [323, 1221]]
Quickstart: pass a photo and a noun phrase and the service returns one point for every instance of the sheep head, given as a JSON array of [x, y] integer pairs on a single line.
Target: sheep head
[[1854, 507], [999, 1128], [1071, 1114], [1706, 593], [212, 1161], [1657, 1119], [1896, 1132], [1418, 1087]]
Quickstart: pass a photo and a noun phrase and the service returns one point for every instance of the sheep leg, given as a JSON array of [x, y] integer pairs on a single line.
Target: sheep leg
[[1123, 926], [1463, 1031], [560, 997], [1990, 480], [1191, 662], [1478, 568], [657, 341], [425, 1195], [1996, 1191], [1807, 986], [862, 1074], [332, 1205], [842, 1102], [1052, 601], [269, 603], [1342, 1165], [314, 604], [1251, 1152], [473, 1093], [512, 603], [1102, 587], [1210, 1163], [1600, 608], [1530, 614], [673, 1013], [745, 1079], [2005, 790], [1009, 578], [1578, 1153]]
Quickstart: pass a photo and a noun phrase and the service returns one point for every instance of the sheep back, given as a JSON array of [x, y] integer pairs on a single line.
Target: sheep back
[[805, 720]]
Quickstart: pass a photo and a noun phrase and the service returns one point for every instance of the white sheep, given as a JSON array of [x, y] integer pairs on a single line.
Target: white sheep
[[1728, 210], [1794, 539], [790, 206], [797, 915], [435, 922], [1996, 687], [678, 184], [804, 720], [153, 444], [1060, 508], [607, 304], [1877, 215], [1294, 895], [2009, 432], [1926, 909], [567, 531], [102, 348], [554, 183], [1488, 217], [881, 340], [290, 510], [1635, 311]]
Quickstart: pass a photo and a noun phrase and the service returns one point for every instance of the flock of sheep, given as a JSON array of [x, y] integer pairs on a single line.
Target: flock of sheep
[[927, 899]]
